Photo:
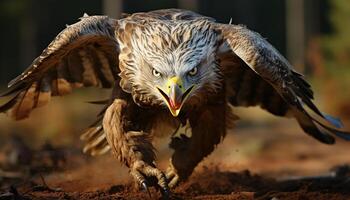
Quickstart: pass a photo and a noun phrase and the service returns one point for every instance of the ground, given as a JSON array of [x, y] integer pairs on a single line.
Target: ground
[[259, 159]]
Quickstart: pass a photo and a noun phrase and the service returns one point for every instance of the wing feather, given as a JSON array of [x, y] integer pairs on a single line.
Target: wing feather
[[82, 55], [285, 90]]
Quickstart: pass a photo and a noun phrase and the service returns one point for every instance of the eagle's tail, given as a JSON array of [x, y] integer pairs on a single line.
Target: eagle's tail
[[94, 136], [319, 130]]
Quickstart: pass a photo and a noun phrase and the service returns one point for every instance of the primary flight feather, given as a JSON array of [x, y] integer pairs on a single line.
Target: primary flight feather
[[167, 67]]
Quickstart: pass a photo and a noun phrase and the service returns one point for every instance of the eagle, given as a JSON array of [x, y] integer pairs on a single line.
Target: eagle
[[167, 68]]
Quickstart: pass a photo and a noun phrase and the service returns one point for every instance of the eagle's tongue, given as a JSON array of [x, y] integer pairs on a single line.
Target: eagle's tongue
[[175, 105]]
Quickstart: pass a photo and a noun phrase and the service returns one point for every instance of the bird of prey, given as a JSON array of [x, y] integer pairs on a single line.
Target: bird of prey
[[167, 68]]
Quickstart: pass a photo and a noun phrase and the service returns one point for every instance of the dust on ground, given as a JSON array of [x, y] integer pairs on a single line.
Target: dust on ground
[[257, 160]]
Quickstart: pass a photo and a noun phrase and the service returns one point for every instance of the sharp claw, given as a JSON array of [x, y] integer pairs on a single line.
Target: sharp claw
[[165, 193], [145, 187]]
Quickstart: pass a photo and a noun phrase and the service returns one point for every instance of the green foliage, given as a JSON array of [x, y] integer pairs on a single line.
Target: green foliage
[[337, 45], [336, 50]]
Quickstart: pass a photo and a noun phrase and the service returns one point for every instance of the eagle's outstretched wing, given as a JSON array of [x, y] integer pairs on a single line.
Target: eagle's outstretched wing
[[257, 74], [84, 54]]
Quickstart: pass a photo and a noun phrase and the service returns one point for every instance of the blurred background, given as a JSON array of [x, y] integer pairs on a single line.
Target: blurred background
[[312, 34]]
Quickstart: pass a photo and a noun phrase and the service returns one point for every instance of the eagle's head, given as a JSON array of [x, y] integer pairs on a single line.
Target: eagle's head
[[171, 62]]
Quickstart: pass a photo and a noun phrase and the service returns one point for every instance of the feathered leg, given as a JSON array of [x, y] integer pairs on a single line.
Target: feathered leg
[[131, 146], [208, 129]]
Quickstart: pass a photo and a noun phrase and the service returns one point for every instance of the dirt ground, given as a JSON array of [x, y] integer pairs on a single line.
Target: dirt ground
[[271, 160]]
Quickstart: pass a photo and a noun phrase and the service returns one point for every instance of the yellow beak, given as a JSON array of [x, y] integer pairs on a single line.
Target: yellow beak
[[174, 94]]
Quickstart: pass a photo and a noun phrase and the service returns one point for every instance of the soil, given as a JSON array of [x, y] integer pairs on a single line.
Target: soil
[[211, 185]]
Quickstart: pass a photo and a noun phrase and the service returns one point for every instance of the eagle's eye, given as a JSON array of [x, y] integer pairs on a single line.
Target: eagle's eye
[[156, 73], [193, 71]]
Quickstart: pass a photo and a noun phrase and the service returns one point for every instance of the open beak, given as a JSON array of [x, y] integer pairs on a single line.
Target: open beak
[[175, 94]]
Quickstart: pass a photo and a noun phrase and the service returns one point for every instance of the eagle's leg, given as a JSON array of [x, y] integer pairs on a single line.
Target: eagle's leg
[[132, 147], [208, 128]]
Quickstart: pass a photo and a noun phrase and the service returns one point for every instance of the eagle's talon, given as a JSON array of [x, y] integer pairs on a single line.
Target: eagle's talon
[[145, 188], [165, 193], [143, 174]]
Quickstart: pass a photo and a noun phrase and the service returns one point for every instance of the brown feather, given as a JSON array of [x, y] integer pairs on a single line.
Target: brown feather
[[65, 64], [8, 105], [288, 91], [23, 107], [89, 76], [44, 93], [208, 124], [91, 132], [99, 149], [97, 68], [105, 66], [75, 66], [246, 88]]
